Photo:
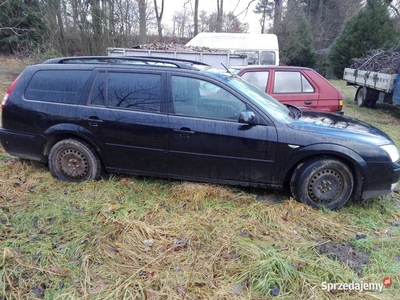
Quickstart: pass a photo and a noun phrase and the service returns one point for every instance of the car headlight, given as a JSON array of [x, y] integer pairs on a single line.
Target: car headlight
[[392, 151]]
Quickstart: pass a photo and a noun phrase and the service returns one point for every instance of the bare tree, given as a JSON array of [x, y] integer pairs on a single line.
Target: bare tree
[[203, 21], [263, 8], [126, 11], [232, 24], [271, 9], [56, 22], [159, 16], [327, 18], [182, 22]]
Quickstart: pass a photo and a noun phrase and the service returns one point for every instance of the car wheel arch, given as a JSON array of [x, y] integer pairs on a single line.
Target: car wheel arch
[[56, 134], [354, 161]]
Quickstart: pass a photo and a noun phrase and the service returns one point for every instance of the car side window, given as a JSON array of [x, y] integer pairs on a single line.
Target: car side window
[[57, 86], [135, 91], [99, 92], [259, 79], [195, 97], [306, 85], [291, 82]]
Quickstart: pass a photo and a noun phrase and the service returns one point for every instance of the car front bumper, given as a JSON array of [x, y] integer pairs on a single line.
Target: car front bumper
[[380, 188]]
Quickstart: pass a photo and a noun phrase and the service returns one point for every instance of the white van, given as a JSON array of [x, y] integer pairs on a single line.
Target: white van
[[261, 49]]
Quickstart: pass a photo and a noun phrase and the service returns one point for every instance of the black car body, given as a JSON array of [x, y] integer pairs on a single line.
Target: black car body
[[183, 120]]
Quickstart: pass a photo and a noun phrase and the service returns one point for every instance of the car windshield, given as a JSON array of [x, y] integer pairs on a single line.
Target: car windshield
[[269, 104]]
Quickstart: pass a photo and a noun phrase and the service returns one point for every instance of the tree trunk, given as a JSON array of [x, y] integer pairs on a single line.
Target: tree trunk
[[61, 30], [96, 25], [111, 23], [277, 14], [220, 13], [142, 21], [159, 18], [196, 17], [264, 16]]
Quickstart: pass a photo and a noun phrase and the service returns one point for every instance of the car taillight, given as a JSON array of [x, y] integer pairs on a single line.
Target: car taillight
[[7, 95], [4, 101]]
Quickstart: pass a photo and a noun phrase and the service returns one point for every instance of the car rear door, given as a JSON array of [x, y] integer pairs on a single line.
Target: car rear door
[[125, 115], [207, 142]]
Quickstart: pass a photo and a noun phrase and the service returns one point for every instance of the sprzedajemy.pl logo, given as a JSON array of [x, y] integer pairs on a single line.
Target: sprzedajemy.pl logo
[[357, 286]]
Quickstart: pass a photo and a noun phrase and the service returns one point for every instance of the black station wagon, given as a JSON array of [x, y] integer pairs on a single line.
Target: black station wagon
[[184, 120]]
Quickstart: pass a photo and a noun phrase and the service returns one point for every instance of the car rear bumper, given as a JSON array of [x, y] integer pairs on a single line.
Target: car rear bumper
[[22, 145]]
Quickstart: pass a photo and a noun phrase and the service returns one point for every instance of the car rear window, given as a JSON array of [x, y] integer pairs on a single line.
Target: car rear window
[[61, 86]]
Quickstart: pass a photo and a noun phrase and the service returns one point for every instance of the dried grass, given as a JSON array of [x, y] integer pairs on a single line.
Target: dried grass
[[139, 238]]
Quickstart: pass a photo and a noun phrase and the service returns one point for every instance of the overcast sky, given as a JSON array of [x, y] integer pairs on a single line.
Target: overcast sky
[[236, 6]]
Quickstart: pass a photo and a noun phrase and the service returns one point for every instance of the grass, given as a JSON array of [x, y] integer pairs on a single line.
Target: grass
[[128, 237]]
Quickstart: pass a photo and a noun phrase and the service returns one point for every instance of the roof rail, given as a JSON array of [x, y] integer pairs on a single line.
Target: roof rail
[[128, 60]]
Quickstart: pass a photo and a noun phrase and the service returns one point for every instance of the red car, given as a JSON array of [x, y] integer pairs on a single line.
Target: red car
[[300, 86]]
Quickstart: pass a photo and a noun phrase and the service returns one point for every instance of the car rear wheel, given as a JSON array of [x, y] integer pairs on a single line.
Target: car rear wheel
[[322, 182], [366, 97], [360, 96], [74, 161]]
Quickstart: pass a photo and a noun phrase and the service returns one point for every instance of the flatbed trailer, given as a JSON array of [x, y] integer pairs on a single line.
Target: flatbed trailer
[[373, 86]]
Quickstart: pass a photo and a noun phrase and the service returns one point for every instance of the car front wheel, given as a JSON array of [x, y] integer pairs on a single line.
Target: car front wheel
[[323, 182], [74, 161]]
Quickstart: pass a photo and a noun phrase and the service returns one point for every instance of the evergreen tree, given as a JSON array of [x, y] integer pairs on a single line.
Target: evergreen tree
[[371, 28], [22, 25], [295, 38]]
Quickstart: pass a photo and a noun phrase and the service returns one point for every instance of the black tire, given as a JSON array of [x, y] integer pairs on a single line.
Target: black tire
[[74, 161], [323, 182], [366, 97], [360, 97]]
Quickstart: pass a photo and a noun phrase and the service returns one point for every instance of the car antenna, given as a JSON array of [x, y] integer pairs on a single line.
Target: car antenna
[[226, 68]]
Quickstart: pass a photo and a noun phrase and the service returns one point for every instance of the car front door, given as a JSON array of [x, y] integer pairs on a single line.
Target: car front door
[[206, 140], [126, 116]]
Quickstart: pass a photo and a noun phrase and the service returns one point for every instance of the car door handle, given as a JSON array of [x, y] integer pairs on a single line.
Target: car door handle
[[93, 121], [307, 102], [184, 132]]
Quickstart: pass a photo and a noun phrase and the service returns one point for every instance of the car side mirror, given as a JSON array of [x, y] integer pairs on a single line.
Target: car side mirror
[[248, 117]]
